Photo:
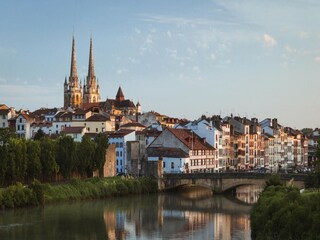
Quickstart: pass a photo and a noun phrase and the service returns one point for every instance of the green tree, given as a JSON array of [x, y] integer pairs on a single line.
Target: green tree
[[6, 134], [102, 142], [86, 153], [3, 163], [39, 135], [34, 163], [66, 155], [48, 158], [17, 160]]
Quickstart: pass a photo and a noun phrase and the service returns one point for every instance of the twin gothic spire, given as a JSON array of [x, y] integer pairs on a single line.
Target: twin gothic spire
[[73, 96]]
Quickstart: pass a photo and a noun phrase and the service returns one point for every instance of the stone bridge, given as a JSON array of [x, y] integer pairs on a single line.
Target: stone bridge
[[220, 182]]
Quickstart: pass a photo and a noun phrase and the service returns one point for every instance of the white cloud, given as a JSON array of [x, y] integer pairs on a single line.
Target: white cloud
[[290, 49], [196, 69], [212, 56], [137, 31], [169, 34], [268, 41], [133, 60], [192, 51], [317, 59], [303, 35], [121, 71]]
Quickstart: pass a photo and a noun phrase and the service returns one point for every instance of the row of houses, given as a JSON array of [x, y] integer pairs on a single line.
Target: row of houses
[[205, 145]]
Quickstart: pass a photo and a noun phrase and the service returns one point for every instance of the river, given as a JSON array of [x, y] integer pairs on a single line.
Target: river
[[188, 214]]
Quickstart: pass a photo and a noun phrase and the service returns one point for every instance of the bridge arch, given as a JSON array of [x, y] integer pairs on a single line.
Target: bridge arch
[[224, 181]]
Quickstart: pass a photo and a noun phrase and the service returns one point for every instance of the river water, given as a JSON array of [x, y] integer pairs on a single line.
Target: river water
[[188, 214]]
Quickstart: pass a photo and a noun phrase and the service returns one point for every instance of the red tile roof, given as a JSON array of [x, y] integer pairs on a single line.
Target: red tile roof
[[98, 118], [190, 139]]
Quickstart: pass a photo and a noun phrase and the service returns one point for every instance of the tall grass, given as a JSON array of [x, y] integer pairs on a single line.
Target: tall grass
[[38, 194]]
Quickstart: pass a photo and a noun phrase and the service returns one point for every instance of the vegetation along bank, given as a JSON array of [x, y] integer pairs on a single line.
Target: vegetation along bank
[[285, 213], [37, 194]]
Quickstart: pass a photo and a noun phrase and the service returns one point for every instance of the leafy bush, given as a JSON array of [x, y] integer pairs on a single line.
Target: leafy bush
[[284, 213]]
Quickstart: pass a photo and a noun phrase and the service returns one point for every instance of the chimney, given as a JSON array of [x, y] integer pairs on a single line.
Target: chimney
[[274, 122]]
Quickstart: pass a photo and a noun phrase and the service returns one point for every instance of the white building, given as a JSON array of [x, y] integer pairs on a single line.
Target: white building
[[175, 160], [5, 114], [201, 154], [120, 138]]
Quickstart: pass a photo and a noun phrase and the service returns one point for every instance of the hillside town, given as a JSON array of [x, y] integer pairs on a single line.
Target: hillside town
[[208, 144]]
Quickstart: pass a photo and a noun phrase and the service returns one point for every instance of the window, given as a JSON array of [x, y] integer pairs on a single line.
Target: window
[[96, 129], [121, 144], [117, 154], [164, 164], [22, 127], [3, 124], [20, 120], [120, 154], [172, 165], [18, 127], [3, 116], [117, 144], [120, 162]]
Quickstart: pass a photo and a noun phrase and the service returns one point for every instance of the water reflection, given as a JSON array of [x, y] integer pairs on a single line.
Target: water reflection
[[248, 194], [166, 216]]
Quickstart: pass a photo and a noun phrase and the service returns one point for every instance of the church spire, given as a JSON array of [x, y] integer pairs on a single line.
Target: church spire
[[73, 70], [119, 96], [91, 63]]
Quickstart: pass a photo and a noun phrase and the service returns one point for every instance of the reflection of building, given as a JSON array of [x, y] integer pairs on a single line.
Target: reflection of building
[[248, 194]]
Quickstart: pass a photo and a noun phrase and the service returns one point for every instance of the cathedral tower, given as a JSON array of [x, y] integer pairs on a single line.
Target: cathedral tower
[[73, 89], [91, 89]]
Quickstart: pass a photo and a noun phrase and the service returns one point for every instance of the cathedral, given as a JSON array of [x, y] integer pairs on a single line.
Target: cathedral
[[88, 95], [75, 95]]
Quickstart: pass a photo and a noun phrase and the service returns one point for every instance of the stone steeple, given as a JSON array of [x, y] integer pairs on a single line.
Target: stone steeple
[[119, 96], [73, 69], [91, 62], [91, 88], [72, 89]]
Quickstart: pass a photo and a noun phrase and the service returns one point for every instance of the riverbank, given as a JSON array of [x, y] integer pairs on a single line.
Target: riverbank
[[285, 213], [36, 194]]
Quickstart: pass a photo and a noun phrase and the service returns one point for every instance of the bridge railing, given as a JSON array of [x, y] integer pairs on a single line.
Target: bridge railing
[[228, 175]]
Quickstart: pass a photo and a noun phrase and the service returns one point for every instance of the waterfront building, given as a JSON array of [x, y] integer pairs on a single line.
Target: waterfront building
[[121, 138], [200, 156], [5, 114]]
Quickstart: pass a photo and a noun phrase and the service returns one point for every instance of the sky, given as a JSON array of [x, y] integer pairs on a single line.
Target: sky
[[182, 58]]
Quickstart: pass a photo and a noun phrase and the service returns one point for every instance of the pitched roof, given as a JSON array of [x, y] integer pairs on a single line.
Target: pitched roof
[[121, 104], [4, 111], [166, 152], [45, 111], [98, 118], [190, 139], [73, 130], [121, 133], [3, 106], [132, 124]]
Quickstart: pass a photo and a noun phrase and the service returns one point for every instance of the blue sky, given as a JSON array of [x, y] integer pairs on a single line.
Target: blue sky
[[182, 58]]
